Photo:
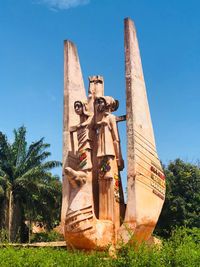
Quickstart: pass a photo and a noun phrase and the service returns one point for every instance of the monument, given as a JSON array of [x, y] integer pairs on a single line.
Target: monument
[[94, 213]]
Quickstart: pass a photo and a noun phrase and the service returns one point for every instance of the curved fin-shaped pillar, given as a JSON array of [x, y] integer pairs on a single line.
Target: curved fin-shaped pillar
[[73, 90], [145, 178]]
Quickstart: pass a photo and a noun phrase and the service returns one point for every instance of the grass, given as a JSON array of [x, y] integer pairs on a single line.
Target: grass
[[181, 250]]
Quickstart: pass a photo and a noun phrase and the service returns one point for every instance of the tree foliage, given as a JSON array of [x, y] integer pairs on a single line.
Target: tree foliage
[[28, 190], [182, 204]]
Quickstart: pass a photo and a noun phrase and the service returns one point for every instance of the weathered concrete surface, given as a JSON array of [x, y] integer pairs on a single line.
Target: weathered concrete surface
[[98, 149], [98, 237], [73, 90], [145, 178], [93, 203]]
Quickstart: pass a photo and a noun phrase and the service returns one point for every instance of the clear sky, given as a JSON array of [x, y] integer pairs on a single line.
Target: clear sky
[[31, 65]]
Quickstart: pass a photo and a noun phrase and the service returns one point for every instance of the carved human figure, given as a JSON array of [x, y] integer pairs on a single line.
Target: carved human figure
[[81, 179], [81, 224], [85, 139], [108, 137], [109, 158]]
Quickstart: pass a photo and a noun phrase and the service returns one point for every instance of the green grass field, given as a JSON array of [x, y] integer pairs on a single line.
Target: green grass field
[[182, 249]]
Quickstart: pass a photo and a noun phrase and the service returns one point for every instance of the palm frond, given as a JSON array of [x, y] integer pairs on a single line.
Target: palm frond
[[19, 146], [51, 164], [6, 156]]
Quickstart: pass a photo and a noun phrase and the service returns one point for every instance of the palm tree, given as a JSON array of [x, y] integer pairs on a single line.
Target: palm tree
[[25, 180]]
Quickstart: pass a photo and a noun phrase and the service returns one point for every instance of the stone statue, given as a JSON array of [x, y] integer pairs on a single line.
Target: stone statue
[[108, 137], [80, 179], [85, 144], [109, 157], [94, 213]]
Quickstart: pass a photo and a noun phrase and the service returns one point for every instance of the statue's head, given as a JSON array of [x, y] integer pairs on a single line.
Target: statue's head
[[106, 103], [96, 86], [81, 108]]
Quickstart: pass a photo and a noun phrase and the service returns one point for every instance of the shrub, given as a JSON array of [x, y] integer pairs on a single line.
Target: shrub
[[3, 236], [46, 237]]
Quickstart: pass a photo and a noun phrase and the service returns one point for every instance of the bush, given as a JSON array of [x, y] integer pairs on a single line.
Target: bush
[[46, 237], [183, 247], [3, 236], [182, 203]]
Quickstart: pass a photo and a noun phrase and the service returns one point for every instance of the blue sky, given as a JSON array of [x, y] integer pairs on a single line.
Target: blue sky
[[31, 65]]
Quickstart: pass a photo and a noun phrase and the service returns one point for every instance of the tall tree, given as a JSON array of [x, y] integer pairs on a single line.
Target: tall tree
[[24, 176], [182, 204]]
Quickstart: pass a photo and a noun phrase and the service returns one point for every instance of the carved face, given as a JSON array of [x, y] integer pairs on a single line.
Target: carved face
[[100, 104], [78, 107]]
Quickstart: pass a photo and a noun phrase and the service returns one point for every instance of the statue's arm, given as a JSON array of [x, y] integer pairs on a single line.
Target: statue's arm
[[87, 122], [116, 142], [73, 129], [83, 124]]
